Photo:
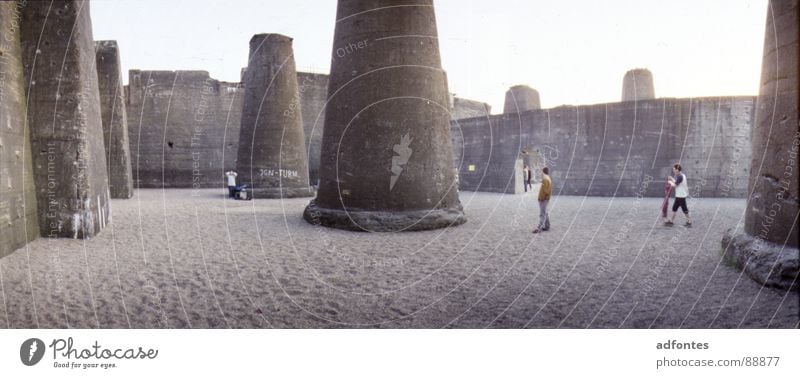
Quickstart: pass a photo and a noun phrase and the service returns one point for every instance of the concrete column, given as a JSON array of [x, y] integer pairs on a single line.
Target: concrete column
[[768, 248], [272, 157], [313, 97], [387, 156], [520, 98], [18, 219], [637, 85], [115, 119], [64, 118]]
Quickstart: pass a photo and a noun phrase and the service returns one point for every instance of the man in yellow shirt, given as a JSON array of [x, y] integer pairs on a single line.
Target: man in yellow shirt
[[544, 198]]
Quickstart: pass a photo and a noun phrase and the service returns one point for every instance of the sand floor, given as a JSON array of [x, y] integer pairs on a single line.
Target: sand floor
[[176, 259]]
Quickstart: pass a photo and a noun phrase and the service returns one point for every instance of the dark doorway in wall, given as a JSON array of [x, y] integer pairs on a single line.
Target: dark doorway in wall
[[535, 160]]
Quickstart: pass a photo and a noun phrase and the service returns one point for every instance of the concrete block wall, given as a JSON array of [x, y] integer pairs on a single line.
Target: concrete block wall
[[18, 215], [615, 149], [183, 128]]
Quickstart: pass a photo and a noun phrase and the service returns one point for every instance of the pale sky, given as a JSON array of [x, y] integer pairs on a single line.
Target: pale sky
[[573, 52]]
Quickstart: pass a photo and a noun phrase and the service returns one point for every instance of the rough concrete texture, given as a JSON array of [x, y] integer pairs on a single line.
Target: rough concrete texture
[[183, 128], [610, 149], [64, 118], [637, 85], [768, 250], [386, 162], [769, 264], [272, 158], [774, 182], [520, 98], [215, 108], [464, 108], [115, 119], [18, 218], [313, 96]]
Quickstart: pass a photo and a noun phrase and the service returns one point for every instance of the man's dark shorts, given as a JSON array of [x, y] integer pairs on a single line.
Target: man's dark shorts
[[680, 202]]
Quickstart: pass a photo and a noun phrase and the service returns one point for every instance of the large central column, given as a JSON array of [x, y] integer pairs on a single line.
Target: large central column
[[768, 248], [387, 156], [272, 157]]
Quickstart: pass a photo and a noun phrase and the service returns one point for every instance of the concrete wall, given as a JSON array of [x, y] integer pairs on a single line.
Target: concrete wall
[[609, 149], [66, 133], [18, 218], [183, 128], [200, 117]]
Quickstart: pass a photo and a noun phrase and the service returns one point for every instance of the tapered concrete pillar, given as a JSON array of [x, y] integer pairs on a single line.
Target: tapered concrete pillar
[[387, 157], [64, 118], [768, 248], [18, 219], [272, 157], [637, 85], [115, 119], [520, 98]]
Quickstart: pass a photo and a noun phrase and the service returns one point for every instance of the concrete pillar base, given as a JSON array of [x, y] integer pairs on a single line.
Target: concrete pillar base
[[282, 192], [769, 264], [384, 221]]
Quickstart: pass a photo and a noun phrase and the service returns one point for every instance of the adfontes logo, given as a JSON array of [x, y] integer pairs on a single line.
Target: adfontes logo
[[33, 350]]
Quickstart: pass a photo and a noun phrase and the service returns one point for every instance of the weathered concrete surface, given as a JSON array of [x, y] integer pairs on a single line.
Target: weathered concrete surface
[[64, 118], [464, 108], [637, 85], [386, 161], [612, 149], [521, 98], [313, 89], [183, 128], [768, 248], [215, 109], [18, 218], [770, 264], [115, 119], [272, 158]]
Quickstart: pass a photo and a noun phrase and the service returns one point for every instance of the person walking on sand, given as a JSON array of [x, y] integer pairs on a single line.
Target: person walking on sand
[[231, 175], [681, 192], [526, 175], [544, 198]]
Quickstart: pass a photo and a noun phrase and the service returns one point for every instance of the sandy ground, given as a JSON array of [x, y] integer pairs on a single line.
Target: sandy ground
[[173, 259]]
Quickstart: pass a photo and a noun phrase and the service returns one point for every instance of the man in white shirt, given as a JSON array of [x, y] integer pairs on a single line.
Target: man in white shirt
[[681, 186], [231, 175]]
